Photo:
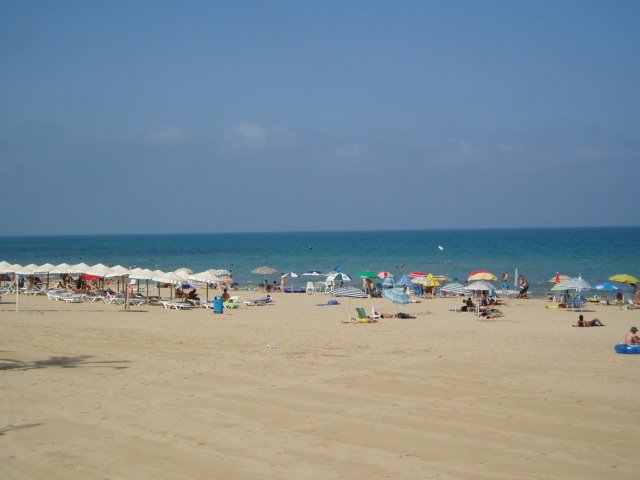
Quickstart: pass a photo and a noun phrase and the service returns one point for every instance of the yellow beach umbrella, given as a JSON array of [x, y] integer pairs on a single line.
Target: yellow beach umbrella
[[624, 278]]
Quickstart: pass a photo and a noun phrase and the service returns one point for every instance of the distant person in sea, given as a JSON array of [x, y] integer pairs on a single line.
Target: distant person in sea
[[591, 323], [632, 338]]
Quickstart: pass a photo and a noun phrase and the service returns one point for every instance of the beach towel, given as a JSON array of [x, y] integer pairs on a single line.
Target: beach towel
[[330, 302]]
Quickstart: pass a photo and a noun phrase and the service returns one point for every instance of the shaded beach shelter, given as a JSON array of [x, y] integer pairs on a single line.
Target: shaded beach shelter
[[453, 287], [265, 270], [482, 275], [624, 278], [100, 270], [80, 268], [207, 277], [62, 268]]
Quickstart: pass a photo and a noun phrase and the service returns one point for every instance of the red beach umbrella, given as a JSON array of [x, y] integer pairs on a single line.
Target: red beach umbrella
[[417, 274], [385, 275]]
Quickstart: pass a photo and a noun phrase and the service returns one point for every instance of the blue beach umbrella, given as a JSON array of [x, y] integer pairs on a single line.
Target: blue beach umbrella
[[607, 287], [405, 281], [397, 296]]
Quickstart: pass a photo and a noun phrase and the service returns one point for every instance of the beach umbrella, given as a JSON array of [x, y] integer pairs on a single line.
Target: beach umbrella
[[100, 270], [559, 278], [188, 271], [453, 287], [291, 274], [366, 274], [222, 272], [418, 274], [607, 287], [385, 275], [388, 282], [404, 281], [313, 273], [624, 278], [577, 284], [348, 292], [484, 275], [265, 270], [480, 286], [339, 277], [397, 296], [79, 268]]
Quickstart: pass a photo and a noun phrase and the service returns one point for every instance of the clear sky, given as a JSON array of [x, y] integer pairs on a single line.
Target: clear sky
[[188, 116]]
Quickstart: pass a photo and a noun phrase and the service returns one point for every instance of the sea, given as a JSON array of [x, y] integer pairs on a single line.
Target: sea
[[592, 253]]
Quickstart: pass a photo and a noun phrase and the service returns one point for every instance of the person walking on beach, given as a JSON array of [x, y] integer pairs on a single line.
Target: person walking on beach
[[632, 337]]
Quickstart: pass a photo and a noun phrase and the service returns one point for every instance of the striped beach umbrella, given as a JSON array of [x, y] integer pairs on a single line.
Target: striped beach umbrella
[[397, 295], [455, 288]]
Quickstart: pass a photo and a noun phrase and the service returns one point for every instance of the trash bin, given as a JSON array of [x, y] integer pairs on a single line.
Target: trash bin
[[218, 305]]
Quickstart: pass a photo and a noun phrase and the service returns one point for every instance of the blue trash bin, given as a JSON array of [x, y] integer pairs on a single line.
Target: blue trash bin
[[218, 305]]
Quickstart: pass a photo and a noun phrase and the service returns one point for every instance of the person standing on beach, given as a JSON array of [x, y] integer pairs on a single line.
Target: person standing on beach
[[283, 282], [505, 281], [632, 338]]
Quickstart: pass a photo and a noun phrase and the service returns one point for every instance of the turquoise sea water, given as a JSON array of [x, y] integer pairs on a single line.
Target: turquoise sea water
[[593, 253]]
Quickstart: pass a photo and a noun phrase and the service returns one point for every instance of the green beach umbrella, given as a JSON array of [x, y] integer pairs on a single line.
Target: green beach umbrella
[[367, 275]]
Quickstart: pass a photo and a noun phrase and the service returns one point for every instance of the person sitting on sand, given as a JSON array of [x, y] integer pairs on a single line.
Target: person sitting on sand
[[632, 338], [618, 300], [591, 323], [470, 304], [225, 295]]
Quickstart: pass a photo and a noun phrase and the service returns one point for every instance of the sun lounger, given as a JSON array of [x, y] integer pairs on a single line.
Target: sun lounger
[[177, 305], [262, 301]]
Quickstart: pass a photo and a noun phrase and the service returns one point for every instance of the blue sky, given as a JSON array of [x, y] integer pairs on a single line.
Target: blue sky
[[153, 117]]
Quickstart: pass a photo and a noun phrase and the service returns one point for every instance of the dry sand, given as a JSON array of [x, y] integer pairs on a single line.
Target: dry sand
[[90, 391]]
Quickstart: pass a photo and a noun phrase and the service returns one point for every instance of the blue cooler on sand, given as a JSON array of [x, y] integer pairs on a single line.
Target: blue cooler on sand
[[218, 305]]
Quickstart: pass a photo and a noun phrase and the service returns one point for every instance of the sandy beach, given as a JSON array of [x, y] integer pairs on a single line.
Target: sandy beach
[[90, 391]]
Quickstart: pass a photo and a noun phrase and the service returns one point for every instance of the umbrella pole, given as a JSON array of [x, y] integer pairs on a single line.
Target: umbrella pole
[[17, 285]]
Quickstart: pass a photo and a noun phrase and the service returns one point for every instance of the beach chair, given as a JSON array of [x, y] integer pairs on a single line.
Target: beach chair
[[374, 315], [311, 288], [362, 314]]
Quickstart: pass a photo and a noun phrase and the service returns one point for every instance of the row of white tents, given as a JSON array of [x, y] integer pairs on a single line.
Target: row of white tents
[[177, 277]]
